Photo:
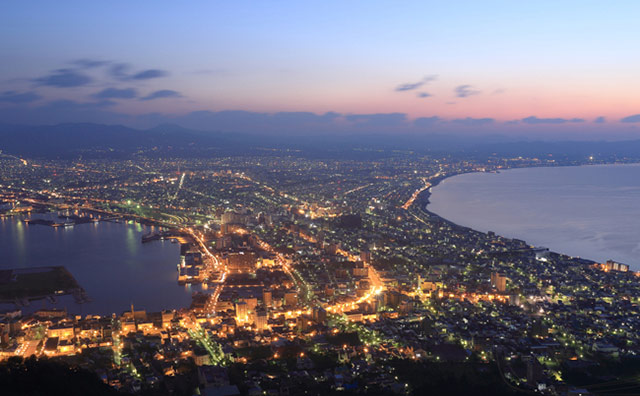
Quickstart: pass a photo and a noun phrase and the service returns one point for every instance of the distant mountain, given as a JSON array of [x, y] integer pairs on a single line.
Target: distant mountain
[[118, 141], [71, 140]]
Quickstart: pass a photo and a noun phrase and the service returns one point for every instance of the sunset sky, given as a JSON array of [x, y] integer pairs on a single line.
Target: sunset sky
[[529, 68]]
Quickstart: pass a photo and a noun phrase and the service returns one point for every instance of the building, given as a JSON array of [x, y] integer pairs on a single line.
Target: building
[[611, 265], [303, 323], [224, 242], [499, 281], [290, 299], [251, 302], [61, 331], [241, 262], [128, 326], [233, 218], [365, 256], [261, 319], [266, 297], [319, 315], [360, 269], [51, 346], [242, 312]]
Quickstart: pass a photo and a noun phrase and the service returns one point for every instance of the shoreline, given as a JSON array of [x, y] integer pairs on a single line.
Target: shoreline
[[424, 199], [105, 306]]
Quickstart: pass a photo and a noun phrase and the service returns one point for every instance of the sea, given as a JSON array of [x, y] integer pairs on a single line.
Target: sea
[[107, 259], [590, 211]]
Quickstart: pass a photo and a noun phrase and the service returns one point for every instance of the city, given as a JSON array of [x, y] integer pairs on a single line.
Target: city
[[327, 274]]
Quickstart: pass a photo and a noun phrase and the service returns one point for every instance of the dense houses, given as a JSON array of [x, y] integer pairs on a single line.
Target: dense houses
[[324, 274]]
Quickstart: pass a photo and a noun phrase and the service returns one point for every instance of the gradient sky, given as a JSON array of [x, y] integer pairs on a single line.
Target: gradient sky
[[529, 68]]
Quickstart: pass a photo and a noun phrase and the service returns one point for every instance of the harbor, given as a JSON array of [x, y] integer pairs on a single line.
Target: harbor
[[106, 258]]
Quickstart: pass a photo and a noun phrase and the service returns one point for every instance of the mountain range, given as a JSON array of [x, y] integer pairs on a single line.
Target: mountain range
[[66, 141]]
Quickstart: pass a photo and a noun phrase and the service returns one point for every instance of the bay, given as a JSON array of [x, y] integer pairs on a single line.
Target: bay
[[107, 259], [586, 211]]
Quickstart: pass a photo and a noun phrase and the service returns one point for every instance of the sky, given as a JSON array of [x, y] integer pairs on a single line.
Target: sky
[[534, 69]]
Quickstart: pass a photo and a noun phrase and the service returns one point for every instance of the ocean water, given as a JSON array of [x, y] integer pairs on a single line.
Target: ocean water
[[587, 211], [107, 259]]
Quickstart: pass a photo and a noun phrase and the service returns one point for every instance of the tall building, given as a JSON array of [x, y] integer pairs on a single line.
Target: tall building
[[499, 281], [261, 319], [252, 302], [266, 297], [365, 256], [319, 315], [242, 312]]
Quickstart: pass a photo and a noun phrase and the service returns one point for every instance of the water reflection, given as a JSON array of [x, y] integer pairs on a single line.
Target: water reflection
[[108, 260], [588, 211]]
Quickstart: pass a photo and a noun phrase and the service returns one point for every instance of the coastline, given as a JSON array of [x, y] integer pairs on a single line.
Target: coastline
[[113, 270], [424, 200]]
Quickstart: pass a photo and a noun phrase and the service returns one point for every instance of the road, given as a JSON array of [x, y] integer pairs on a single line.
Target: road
[[212, 264]]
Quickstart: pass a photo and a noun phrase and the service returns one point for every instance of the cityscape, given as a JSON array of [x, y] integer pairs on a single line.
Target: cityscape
[[318, 274], [286, 198]]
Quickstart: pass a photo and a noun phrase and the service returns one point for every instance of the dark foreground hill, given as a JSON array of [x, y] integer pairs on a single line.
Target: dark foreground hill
[[33, 377]]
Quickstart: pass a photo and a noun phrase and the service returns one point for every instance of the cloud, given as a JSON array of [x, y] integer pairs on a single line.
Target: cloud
[[120, 71], [163, 93], [115, 93], [469, 121], [211, 71], [426, 121], [463, 91], [148, 74], [416, 85], [17, 97], [429, 78], [536, 120], [424, 94], [409, 86], [631, 118], [105, 111], [89, 63], [64, 78], [600, 120]]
